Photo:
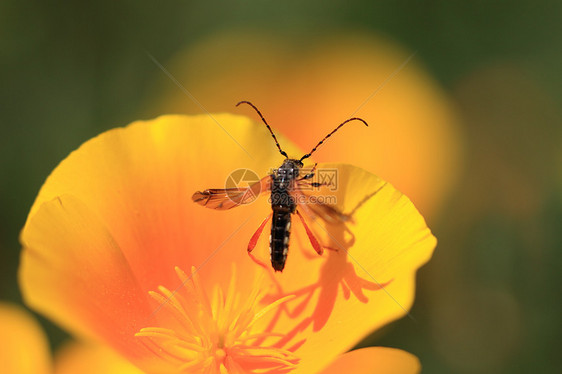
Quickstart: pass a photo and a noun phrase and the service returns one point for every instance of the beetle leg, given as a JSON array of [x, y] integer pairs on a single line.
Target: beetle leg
[[315, 244], [256, 236]]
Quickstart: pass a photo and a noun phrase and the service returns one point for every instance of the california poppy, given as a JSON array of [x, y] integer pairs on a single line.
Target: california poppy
[[115, 251]]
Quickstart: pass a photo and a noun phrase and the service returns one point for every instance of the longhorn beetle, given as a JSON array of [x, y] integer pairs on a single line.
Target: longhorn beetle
[[285, 184]]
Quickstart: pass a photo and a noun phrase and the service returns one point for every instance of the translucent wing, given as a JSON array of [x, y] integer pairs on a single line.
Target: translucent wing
[[328, 213], [328, 227], [228, 198], [314, 207]]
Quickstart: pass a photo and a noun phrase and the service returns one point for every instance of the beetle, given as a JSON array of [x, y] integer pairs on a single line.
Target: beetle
[[286, 184]]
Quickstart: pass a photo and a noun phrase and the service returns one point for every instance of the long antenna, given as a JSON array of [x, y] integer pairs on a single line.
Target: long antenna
[[330, 134], [265, 122]]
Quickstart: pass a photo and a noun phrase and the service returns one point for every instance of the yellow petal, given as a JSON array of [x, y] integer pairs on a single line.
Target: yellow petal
[[375, 360], [91, 359], [75, 273], [23, 348], [113, 220], [342, 293]]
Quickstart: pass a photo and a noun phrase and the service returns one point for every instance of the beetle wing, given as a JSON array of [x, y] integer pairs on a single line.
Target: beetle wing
[[325, 212], [314, 207], [327, 223], [228, 198]]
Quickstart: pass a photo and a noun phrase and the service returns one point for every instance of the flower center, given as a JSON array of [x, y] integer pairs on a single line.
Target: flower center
[[218, 334]]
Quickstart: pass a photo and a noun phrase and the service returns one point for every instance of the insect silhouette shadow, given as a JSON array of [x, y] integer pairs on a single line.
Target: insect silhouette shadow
[[338, 271]]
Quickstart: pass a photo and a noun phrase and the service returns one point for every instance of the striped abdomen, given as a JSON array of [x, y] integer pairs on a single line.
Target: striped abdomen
[[279, 240]]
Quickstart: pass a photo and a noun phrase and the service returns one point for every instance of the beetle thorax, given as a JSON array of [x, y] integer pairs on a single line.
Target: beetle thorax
[[284, 176], [282, 183], [289, 170]]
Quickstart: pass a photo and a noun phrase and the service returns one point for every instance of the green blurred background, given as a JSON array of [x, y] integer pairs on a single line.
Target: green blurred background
[[489, 300]]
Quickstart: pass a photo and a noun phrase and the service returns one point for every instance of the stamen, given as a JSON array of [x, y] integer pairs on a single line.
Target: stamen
[[215, 335]]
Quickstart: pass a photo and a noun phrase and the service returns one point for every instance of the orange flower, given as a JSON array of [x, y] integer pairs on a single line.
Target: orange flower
[[113, 231], [307, 87], [32, 357]]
